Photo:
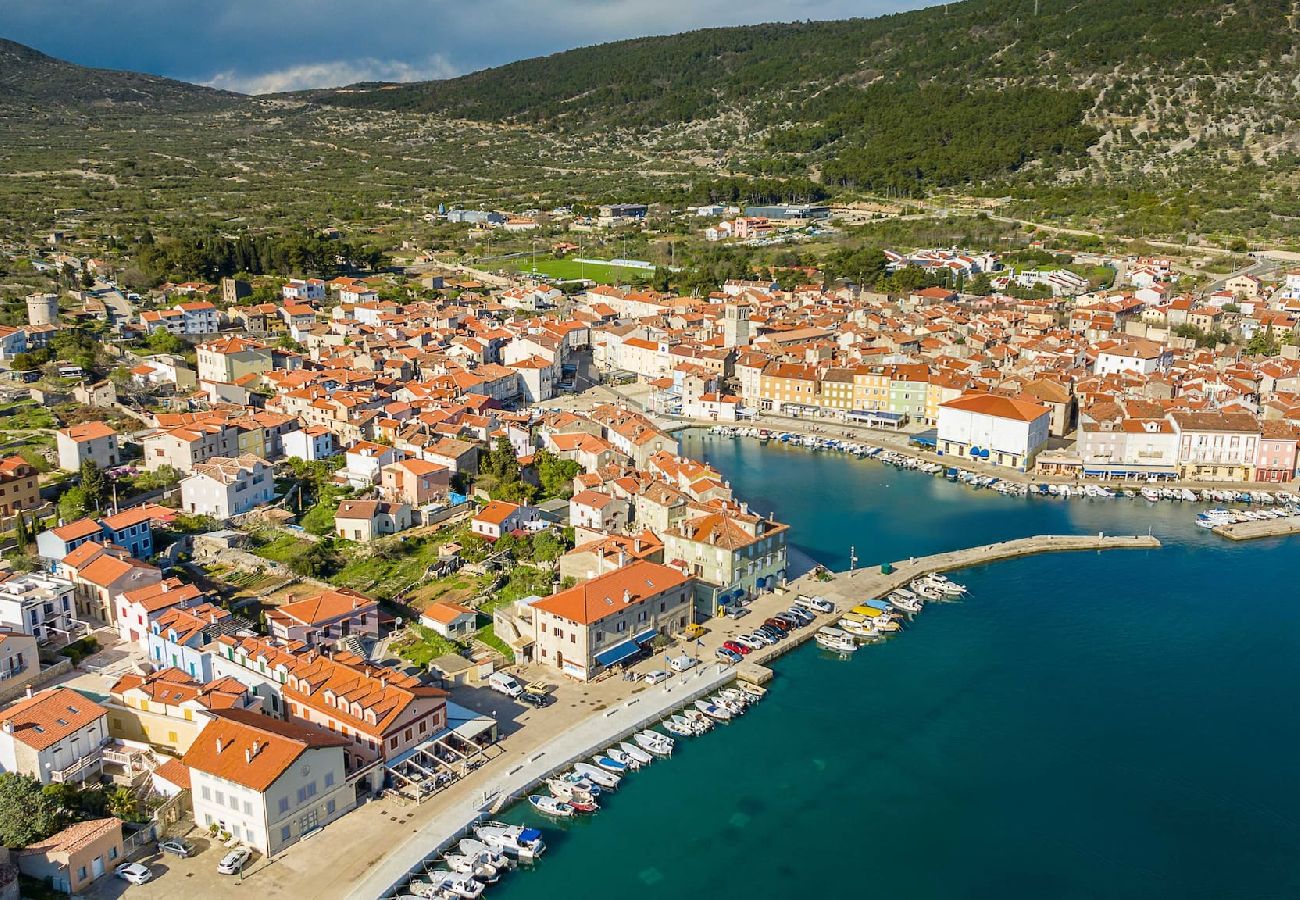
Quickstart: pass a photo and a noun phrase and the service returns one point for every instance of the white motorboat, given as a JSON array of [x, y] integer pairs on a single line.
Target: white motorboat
[[443, 882], [476, 848], [678, 726], [514, 840], [551, 806], [626, 761], [597, 774], [735, 695], [712, 710], [609, 764], [654, 742], [904, 604], [857, 629], [476, 869], [632, 751], [697, 721], [834, 639], [753, 690]]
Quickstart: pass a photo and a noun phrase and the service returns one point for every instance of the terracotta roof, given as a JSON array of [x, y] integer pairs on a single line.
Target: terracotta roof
[[324, 607], [78, 529], [496, 512], [446, 613], [604, 595], [88, 431], [252, 749], [173, 771], [44, 719], [76, 836], [998, 406]]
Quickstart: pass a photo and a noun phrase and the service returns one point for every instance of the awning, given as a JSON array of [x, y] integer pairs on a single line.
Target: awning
[[928, 438], [644, 636], [618, 653]]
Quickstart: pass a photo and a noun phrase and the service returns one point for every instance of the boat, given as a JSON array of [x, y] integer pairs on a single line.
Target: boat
[[600, 776], [632, 751], [445, 883], [712, 710], [514, 840], [697, 721], [834, 639], [735, 695], [581, 783], [494, 857], [654, 742], [678, 726], [619, 756], [753, 690], [731, 706], [904, 604], [609, 764], [550, 806], [479, 870]]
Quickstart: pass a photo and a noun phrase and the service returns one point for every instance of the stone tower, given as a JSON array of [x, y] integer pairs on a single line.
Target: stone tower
[[735, 325]]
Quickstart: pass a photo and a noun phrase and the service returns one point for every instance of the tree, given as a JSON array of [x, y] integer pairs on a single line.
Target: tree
[[547, 547], [163, 341], [123, 803], [22, 538], [73, 504], [556, 474], [93, 483], [27, 814]]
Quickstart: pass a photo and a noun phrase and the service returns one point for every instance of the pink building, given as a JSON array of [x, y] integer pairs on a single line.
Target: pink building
[[414, 481], [1275, 460]]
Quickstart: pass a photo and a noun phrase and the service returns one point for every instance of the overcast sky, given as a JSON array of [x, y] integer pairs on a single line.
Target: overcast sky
[[258, 46]]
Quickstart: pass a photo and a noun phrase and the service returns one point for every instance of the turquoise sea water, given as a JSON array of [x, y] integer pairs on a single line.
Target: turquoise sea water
[[1085, 725]]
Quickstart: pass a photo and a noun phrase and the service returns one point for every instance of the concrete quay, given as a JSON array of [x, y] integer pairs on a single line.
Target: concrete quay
[[862, 584], [1249, 531], [587, 737]]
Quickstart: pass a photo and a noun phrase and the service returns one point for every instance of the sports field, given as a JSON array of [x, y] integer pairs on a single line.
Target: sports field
[[570, 269]]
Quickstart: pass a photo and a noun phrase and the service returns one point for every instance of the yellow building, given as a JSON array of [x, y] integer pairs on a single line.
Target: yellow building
[[871, 388], [787, 383], [168, 708]]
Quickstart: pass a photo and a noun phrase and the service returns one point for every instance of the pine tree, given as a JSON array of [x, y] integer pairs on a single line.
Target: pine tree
[[21, 536]]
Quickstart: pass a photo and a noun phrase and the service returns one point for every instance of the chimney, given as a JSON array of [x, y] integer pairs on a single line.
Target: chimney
[[636, 546], [622, 558], [29, 692], [627, 595], [248, 755], [220, 746]]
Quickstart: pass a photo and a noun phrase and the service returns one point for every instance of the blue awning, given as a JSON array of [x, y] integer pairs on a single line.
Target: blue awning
[[644, 636], [618, 653]]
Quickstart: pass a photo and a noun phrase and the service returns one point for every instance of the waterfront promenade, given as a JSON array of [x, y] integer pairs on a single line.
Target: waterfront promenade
[[644, 706]]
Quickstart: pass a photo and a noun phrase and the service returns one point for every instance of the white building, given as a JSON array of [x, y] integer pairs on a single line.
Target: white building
[[996, 430], [55, 736], [266, 781], [40, 605], [223, 487], [309, 290], [310, 444], [1137, 357], [94, 441]]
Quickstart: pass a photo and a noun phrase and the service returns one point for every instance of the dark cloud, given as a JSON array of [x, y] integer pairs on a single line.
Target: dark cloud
[[264, 45]]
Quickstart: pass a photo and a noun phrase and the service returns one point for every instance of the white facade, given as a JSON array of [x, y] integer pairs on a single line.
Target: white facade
[[310, 444], [208, 495], [1009, 442], [309, 794], [40, 605]]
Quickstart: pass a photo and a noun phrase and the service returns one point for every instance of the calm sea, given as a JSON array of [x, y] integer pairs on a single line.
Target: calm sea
[[1086, 725]]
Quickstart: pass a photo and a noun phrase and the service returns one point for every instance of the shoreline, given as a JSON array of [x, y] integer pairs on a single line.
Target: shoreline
[[598, 731]]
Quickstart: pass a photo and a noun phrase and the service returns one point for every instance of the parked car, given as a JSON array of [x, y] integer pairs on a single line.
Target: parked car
[[681, 663], [177, 847], [134, 873], [737, 612], [771, 632], [234, 861], [728, 655], [759, 639], [505, 683], [538, 700], [802, 616], [736, 647], [779, 624], [658, 676]]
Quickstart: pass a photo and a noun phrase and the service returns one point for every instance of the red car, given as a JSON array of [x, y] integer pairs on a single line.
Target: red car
[[736, 648], [779, 624]]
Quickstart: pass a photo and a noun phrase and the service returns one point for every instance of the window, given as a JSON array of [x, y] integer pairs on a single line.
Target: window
[[329, 806], [248, 808], [112, 853], [81, 873], [329, 779], [284, 805], [285, 833], [234, 802]]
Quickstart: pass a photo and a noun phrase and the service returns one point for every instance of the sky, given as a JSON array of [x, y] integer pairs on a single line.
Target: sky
[[260, 46]]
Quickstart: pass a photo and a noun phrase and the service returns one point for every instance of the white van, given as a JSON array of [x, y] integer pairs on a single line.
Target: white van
[[505, 683], [681, 663]]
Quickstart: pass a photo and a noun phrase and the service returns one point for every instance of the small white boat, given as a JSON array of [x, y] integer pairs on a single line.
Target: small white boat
[[597, 774], [904, 604], [622, 758], [834, 639], [444, 883], [476, 848], [712, 711], [632, 751], [550, 806], [609, 764], [654, 742], [697, 721], [678, 726], [514, 840], [476, 869], [753, 690]]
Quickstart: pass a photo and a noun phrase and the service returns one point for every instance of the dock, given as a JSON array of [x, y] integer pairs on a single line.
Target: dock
[[1250, 531], [854, 586]]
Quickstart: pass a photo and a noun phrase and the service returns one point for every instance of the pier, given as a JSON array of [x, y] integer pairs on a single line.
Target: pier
[[1249, 531], [645, 707], [854, 586]]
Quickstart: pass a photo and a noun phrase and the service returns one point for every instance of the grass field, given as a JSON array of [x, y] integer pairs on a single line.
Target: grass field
[[570, 270]]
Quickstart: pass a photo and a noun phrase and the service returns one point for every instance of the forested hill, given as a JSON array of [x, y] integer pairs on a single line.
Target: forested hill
[[773, 69], [32, 81]]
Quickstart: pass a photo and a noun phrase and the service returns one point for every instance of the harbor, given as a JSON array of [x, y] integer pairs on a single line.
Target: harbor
[[1251, 530], [819, 607]]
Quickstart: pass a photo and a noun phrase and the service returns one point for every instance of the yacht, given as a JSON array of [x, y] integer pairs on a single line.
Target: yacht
[[514, 840]]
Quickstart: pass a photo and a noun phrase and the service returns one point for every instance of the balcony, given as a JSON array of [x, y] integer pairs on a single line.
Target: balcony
[[90, 765]]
